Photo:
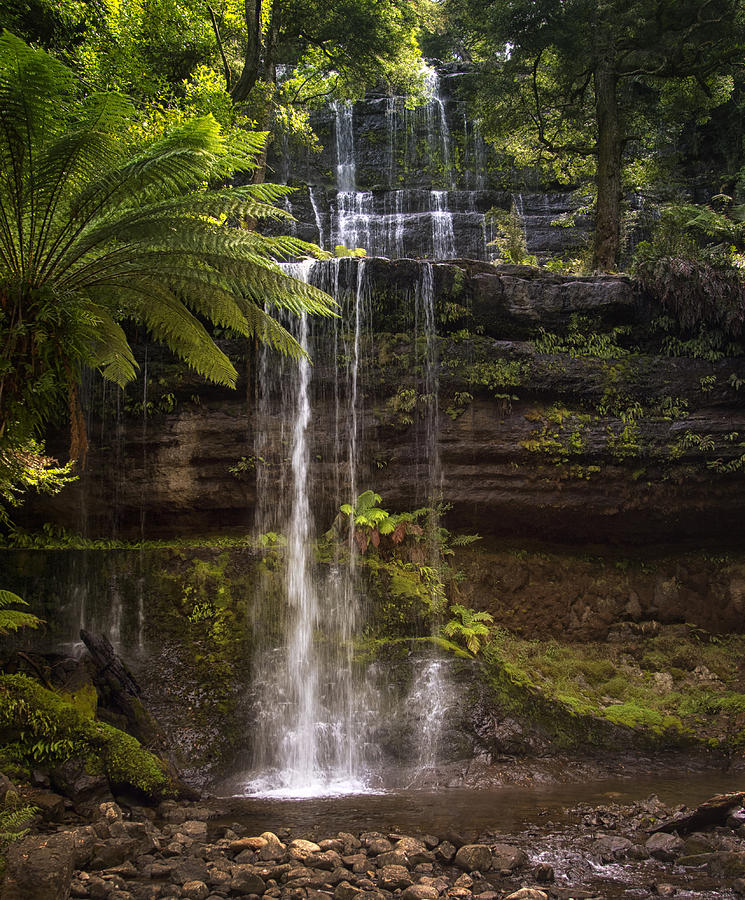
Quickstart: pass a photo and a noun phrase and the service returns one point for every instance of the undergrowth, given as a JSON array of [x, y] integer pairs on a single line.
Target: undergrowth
[[676, 687]]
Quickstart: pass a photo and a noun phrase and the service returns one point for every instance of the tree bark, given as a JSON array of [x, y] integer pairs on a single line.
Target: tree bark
[[270, 77], [252, 63], [608, 179]]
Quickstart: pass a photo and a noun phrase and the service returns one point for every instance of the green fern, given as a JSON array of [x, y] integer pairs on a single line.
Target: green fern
[[13, 619], [469, 626], [14, 822], [96, 229]]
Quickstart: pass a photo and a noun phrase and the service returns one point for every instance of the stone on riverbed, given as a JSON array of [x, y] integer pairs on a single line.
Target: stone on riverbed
[[612, 847], [506, 858], [445, 851], [527, 894], [474, 857], [40, 867], [195, 890], [665, 847], [392, 858], [420, 892], [730, 864], [393, 877]]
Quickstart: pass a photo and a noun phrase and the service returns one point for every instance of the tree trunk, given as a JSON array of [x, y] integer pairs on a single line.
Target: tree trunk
[[270, 77], [252, 63], [608, 179]]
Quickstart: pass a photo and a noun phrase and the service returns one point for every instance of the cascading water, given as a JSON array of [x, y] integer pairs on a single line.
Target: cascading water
[[314, 711], [392, 222], [436, 111], [443, 235]]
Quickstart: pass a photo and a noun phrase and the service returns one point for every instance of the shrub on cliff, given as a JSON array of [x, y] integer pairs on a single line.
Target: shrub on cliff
[[693, 266]]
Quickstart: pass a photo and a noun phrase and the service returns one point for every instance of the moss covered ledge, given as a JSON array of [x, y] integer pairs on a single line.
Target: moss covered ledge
[[40, 728]]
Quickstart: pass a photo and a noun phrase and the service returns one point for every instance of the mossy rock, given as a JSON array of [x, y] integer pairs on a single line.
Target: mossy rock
[[39, 727]]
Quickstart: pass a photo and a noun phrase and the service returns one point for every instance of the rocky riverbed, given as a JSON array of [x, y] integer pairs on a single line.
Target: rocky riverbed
[[122, 851]]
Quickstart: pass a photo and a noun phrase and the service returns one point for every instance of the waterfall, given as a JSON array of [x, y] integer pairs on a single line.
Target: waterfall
[[430, 698], [317, 216], [314, 712], [346, 167], [438, 122], [428, 217], [443, 234]]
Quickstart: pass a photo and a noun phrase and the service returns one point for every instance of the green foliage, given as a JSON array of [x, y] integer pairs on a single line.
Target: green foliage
[[693, 268], [578, 88], [559, 436], [468, 626], [13, 619], [245, 466], [14, 822], [27, 468], [357, 252], [369, 523], [460, 402], [401, 408], [498, 376], [100, 227], [38, 727], [582, 339], [623, 683], [510, 240]]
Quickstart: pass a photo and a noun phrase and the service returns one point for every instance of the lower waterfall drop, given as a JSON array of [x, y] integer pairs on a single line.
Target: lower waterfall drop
[[313, 709]]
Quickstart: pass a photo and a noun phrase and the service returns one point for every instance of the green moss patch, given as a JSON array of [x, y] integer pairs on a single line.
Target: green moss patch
[[680, 687], [39, 727]]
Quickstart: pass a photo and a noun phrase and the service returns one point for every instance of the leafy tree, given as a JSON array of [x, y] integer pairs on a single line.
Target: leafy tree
[[580, 75], [357, 40], [97, 227], [27, 468], [693, 266]]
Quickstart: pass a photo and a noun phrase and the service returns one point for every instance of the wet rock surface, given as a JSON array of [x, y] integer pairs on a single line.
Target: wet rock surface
[[510, 466], [185, 850]]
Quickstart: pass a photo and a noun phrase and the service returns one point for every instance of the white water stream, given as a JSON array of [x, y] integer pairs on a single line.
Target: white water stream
[[317, 713]]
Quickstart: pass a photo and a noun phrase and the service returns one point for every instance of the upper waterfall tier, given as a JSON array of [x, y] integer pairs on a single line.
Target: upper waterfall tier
[[412, 181]]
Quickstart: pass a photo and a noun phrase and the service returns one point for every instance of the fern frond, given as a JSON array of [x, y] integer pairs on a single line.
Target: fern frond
[[8, 598]]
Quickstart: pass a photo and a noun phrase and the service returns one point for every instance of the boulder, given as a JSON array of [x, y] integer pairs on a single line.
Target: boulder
[[665, 847], [393, 877], [195, 890], [345, 891], [420, 892], [392, 858], [187, 868], [474, 857], [527, 894], [378, 845], [245, 881], [611, 848], [40, 867], [445, 852], [506, 858]]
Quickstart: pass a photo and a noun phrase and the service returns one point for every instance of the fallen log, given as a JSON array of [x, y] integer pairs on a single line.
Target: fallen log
[[713, 812]]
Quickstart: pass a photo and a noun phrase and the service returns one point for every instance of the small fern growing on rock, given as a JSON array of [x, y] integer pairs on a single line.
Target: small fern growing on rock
[[469, 626]]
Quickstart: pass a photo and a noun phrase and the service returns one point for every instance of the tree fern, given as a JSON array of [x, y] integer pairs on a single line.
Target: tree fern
[[96, 230], [14, 619]]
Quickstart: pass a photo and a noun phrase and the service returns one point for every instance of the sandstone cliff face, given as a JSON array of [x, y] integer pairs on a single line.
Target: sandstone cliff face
[[537, 435]]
